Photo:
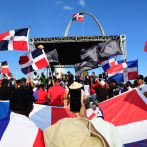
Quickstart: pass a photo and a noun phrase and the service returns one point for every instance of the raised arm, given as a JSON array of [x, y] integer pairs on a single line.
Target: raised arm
[[92, 83], [15, 83], [31, 82]]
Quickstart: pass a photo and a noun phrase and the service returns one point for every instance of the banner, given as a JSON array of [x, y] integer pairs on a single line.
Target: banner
[[128, 112]]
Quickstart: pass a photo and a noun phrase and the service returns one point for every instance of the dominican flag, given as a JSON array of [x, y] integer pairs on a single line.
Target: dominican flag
[[7, 76], [18, 130], [123, 72], [107, 63], [4, 67], [38, 60], [120, 61], [128, 112], [78, 17], [14, 40]]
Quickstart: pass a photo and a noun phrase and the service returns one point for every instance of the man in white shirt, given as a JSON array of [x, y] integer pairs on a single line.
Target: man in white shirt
[[142, 87], [108, 130], [35, 78]]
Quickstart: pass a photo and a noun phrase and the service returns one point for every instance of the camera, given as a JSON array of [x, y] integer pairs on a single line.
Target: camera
[[91, 103]]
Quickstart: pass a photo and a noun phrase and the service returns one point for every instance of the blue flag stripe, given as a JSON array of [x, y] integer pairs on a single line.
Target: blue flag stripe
[[117, 77], [142, 143], [36, 53], [21, 32], [25, 70], [132, 64], [4, 45], [4, 123]]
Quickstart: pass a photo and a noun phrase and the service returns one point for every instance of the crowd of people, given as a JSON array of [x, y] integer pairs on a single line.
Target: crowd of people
[[55, 91]]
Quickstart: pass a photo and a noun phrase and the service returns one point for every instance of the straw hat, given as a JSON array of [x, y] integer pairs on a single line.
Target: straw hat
[[40, 46], [76, 85], [72, 132]]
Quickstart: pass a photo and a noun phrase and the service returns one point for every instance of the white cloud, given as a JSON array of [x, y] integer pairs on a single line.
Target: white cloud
[[58, 2], [68, 8], [82, 3]]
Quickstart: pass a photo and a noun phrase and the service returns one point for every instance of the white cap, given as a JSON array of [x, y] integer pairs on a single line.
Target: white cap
[[102, 83]]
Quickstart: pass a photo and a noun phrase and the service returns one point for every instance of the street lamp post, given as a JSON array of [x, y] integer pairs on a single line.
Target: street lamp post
[[16, 72]]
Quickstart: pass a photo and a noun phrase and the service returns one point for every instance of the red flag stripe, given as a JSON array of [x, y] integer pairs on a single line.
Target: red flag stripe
[[145, 48], [23, 60], [39, 141], [3, 35], [130, 106]]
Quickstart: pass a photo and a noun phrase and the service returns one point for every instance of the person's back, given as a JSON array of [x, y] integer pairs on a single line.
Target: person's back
[[41, 95], [17, 129], [27, 87], [6, 90], [56, 94], [109, 132], [106, 129]]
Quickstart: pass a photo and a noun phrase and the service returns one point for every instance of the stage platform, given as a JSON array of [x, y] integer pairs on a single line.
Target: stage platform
[[69, 48]]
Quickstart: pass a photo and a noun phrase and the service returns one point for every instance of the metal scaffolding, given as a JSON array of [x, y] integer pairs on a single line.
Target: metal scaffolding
[[35, 41]]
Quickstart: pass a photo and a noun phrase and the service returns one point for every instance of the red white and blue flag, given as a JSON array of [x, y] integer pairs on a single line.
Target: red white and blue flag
[[78, 17], [7, 76], [123, 72], [107, 63], [14, 40], [4, 67], [128, 112], [20, 131], [38, 60]]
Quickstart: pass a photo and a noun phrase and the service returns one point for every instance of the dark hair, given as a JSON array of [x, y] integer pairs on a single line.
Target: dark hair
[[41, 86], [129, 84], [35, 73], [57, 81], [18, 81], [113, 81], [100, 76], [23, 80]]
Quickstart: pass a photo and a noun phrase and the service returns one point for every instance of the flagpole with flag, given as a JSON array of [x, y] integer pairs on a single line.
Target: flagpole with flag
[[29, 59]]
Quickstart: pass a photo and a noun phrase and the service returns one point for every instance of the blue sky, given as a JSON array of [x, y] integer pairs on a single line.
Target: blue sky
[[49, 18]]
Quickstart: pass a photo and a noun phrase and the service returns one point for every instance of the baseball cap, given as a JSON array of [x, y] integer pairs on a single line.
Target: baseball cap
[[23, 80], [102, 83], [21, 97], [140, 77]]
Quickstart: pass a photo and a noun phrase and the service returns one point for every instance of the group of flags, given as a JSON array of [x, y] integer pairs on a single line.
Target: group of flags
[[102, 53], [18, 40]]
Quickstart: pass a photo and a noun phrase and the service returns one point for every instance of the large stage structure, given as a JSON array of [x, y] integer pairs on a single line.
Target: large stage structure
[[69, 48]]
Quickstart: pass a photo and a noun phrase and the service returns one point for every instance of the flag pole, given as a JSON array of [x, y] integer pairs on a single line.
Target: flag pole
[[83, 24], [29, 59], [100, 70], [50, 70], [58, 60]]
